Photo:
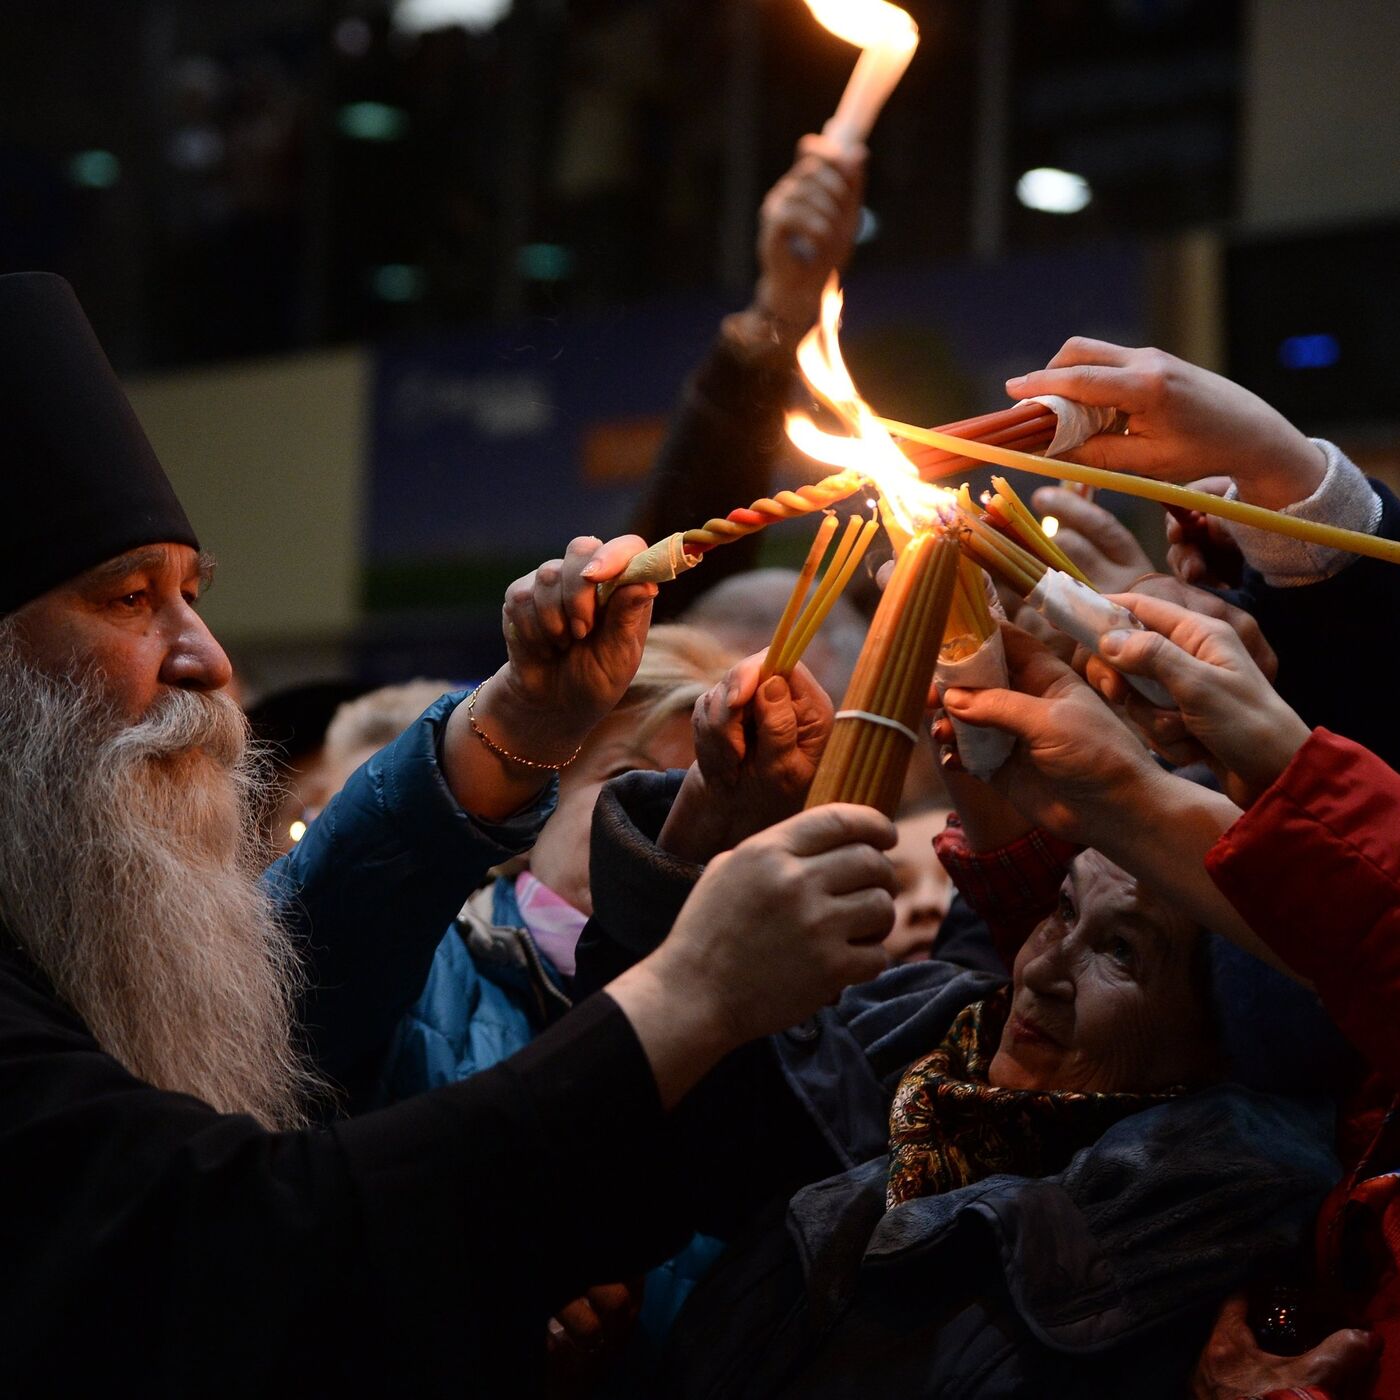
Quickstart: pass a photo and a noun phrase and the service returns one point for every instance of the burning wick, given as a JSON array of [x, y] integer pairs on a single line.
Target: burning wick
[[886, 38], [1051, 526]]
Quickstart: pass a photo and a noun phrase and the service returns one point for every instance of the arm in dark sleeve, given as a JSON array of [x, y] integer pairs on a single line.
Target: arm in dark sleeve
[[372, 886], [193, 1252], [725, 434], [1336, 642]]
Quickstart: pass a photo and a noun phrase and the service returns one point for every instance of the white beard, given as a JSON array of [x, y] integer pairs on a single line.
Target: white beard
[[129, 871]]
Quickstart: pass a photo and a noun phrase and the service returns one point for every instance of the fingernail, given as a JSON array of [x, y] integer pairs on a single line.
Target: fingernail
[[1113, 643], [774, 688], [580, 629], [731, 696], [1014, 386], [591, 570]]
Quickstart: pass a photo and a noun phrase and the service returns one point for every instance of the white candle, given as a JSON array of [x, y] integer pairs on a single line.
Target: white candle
[[887, 38]]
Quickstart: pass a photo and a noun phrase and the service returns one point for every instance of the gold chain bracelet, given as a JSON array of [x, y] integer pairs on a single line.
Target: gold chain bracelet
[[506, 753]]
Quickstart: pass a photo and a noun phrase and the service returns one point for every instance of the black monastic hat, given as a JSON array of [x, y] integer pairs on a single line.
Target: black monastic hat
[[83, 482]]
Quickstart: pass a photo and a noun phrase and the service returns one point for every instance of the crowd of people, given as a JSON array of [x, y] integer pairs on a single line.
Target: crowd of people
[[565, 1052]]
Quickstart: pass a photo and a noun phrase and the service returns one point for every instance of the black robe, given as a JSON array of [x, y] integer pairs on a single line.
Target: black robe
[[153, 1246]]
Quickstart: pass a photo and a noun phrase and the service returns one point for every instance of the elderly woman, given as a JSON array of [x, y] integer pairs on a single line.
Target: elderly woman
[[948, 1183]]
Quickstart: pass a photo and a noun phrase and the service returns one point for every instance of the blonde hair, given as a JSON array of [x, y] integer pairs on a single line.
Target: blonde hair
[[679, 664], [378, 718]]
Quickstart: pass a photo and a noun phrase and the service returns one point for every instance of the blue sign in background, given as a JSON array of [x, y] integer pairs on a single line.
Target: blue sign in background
[[479, 438]]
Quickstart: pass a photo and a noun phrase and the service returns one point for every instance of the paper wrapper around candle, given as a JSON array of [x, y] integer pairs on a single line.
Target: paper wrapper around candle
[[1085, 616], [662, 562], [1076, 423], [878, 723], [982, 750]]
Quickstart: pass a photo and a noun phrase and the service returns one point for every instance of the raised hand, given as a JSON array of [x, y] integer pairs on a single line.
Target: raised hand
[[807, 228], [1183, 422], [1200, 549], [570, 661], [756, 752]]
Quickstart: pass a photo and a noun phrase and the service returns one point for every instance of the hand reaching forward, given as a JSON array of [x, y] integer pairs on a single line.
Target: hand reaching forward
[[1183, 422], [1075, 764], [1225, 702], [1233, 1366], [772, 931]]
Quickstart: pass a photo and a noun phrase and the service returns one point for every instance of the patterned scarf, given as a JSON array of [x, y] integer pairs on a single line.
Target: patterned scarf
[[950, 1128]]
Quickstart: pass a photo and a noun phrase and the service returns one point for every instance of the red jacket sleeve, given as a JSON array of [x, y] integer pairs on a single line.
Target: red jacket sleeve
[[1314, 868]]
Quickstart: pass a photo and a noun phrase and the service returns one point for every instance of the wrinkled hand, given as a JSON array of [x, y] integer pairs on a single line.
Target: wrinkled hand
[[756, 753], [807, 228], [777, 927], [1225, 703], [1200, 549], [1095, 539], [1075, 764], [1183, 422], [1233, 1365], [585, 1338], [570, 660]]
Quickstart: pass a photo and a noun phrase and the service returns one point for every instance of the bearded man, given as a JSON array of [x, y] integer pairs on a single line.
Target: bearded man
[[183, 1212]]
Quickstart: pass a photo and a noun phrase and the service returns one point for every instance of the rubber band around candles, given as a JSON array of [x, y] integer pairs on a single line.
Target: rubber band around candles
[[879, 719]]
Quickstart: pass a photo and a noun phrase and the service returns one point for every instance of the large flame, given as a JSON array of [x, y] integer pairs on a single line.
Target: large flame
[[867, 23], [910, 505]]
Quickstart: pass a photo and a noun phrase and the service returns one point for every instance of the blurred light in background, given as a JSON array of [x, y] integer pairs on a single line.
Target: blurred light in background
[[372, 121], [545, 262], [94, 170], [1051, 526], [475, 16], [398, 282], [1310, 352], [1053, 191]]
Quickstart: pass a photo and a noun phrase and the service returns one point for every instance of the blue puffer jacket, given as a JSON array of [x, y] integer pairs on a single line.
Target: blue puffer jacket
[[489, 992], [370, 887]]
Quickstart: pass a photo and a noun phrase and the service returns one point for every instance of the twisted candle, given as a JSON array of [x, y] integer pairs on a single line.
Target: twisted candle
[[684, 550]]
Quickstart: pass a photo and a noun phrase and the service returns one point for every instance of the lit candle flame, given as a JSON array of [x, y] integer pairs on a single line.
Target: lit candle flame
[[1051, 526], [910, 505], [887, 38], [867, 23]]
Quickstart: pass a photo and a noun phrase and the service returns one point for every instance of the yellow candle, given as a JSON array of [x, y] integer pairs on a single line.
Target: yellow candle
[[1165, 492], [820, 544]]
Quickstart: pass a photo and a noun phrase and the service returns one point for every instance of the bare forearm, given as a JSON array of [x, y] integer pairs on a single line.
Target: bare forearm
[[1161, 834]]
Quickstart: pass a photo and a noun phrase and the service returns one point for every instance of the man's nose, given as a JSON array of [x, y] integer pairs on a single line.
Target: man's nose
[[195, 660]]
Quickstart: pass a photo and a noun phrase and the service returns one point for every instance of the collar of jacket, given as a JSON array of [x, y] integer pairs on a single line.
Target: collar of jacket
[[638, 889]]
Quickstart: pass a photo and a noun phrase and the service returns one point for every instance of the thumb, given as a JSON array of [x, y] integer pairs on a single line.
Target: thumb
[[628, 612], [777, 719], [1151, 654], [993, 709], [1338, 1361]]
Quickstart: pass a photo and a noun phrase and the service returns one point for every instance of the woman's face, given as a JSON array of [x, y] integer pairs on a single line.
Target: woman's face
[[1103, 999], [560, 856]]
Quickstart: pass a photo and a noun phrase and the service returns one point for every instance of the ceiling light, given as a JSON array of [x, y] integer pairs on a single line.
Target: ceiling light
[[475, 16], [1053, 191]]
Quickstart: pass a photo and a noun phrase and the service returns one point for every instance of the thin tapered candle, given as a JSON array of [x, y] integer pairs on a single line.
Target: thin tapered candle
[[825, 599], [1164, 492], [821, 542], [1027, 527]]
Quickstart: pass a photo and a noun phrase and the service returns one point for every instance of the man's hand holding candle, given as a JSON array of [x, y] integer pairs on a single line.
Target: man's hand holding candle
[[1183, 422], [570, 660], [806, 230], [757, 745]]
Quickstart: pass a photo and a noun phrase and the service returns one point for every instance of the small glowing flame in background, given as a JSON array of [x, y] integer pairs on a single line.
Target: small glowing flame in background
[[910, 505], [1051, 526]]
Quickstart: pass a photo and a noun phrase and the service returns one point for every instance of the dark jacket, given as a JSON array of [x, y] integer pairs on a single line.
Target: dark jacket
[[154, 1246], [1097, 1281]]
